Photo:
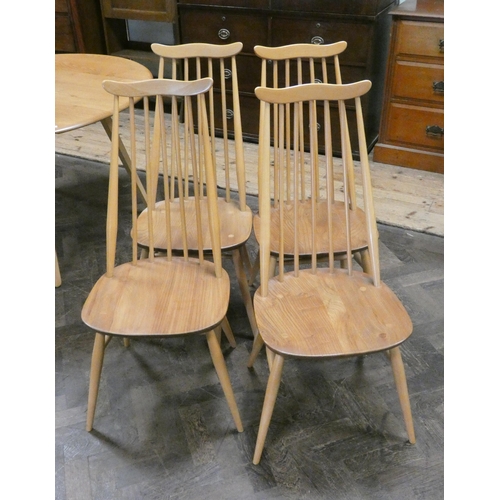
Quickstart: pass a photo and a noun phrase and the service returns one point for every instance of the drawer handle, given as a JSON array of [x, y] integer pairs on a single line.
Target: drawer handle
[[229, 114], [441, 45], [227, 74], [317, 40], [438, 87], [317, 80], [224, 34], [434, 131]]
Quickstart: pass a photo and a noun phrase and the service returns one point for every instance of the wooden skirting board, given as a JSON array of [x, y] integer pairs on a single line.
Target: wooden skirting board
[[404, 197]]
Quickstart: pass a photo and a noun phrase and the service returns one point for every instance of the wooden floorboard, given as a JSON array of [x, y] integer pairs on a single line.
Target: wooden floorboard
[[403, 197], [162, 427]]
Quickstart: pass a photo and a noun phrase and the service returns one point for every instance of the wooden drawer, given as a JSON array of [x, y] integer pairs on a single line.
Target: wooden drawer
[[407, 125], [420, 39], [356, 34], [357, 8], [418, 81], [222, 26], [349, 74], [250, 4]]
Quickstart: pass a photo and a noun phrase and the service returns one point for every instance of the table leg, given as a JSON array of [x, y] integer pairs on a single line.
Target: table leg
[[124, 156]]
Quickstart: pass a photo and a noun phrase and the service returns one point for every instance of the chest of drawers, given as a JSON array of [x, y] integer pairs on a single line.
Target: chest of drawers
[[364, 25], [412, 124]]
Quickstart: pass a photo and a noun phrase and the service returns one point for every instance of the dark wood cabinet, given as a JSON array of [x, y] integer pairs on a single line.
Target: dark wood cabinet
[[78, 27], [130, 26], [363, 24], [412, 125]]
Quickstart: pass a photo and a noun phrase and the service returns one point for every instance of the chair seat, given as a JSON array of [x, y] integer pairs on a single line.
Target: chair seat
[[158, 298], [237, 225], [330, 314], [358, 228]]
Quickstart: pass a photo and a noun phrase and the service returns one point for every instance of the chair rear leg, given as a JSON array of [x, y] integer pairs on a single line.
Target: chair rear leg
[[245, 290], [400, 378], [363, 259], [95, 377], [228, 332], [267, 410], [257, 346], [222, 373], [254, 270]]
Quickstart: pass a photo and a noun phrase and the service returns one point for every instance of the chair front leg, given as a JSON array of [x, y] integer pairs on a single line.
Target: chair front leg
[[95, 377], [267, 410], [398, 371], [222, 373]]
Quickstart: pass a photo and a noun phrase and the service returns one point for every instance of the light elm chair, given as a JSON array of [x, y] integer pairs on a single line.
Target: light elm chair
[[319, 310], [194, 61], [168, 295]]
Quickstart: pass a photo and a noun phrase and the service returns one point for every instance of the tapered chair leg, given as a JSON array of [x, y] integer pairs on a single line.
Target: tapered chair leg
[[222, 373], [228, 332], [58, 272], [245, 257], [95, 377], [257, 346], [363, 259], [245, 290], [254, 270], [400, 378], [270, 399]]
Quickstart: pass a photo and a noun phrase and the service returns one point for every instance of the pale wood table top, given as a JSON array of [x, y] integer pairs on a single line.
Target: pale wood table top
[[80, 98]]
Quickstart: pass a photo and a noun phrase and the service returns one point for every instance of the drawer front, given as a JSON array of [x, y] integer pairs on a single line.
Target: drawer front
[[410, 126], [223, 27], [420, 39], [418, 81], [349, 74], [248, 68], [358, 7], [249, 4], [357, 35]]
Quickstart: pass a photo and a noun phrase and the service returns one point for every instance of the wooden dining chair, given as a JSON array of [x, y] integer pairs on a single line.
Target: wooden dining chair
[[319, 310], [296, 64], [194, 61], [167, 295]]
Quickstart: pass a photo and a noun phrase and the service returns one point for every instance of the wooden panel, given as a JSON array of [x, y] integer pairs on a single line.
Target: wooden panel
[[415, 81], [358, 35], [223, 26], [251, 4], [61, 6], [420, 39], [407, 125], [146, 10], [64, 39], [358, 8]]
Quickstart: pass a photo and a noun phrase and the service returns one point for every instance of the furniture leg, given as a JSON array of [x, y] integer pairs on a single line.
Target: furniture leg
[[254, 270], [95, 376], [245, 257], [270, 399], [124, 156], [58, 273], [402, 387], [245, 290], [222, 373], [363, 259], [228, 332], [257, 346]]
